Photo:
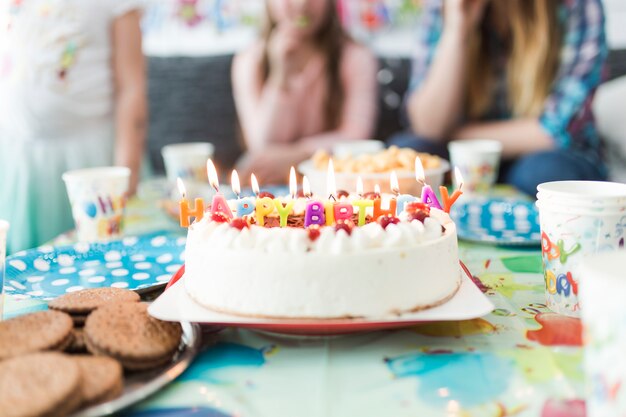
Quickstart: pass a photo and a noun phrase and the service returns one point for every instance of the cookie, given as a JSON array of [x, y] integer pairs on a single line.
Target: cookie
[[78, 342], [127, 333], [80, 303], [44, 330], [39, 384], [101, 379]]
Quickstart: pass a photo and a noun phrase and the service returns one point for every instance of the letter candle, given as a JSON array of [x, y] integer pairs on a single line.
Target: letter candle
[[185, 212], [448, 201], [219, 203], [401, 199], [361, 203], [285, 210], [244, 206], [262, 206], [329, 206], [378, 205], [428, 195], [314, 210]]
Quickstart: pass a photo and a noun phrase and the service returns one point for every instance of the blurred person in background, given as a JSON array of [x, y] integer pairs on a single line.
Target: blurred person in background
[[72, 95], [523, 72], [303, 86]]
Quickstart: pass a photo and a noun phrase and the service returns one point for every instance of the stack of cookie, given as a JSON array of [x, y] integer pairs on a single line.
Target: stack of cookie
[[36, 379]]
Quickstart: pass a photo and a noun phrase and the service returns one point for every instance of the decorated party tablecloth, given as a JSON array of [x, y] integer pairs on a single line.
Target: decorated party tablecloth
[[521, 360]]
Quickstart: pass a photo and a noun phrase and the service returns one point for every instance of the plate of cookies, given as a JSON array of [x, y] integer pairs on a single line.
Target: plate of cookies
[[142, 263], [375, 169], [92, 353]]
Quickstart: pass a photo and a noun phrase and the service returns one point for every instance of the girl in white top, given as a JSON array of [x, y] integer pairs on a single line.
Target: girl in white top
[[72, 95]]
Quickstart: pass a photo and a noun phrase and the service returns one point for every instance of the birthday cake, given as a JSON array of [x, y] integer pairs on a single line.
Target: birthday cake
[[369, 265]]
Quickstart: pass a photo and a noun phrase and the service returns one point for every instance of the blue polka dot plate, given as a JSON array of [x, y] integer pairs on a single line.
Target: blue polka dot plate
[[499, 221], [135, 263]]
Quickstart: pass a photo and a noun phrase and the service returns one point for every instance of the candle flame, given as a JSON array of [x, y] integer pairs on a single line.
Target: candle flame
[[359, 186], [234, 183], [376, 189], [330, 179], [306, 187], [181, 187], [419, 171], [255, 184], [393, 183], [212, 174], [459, 177], [293, 183]]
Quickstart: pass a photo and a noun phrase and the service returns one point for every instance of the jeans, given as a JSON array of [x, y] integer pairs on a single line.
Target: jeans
[[528, 171]]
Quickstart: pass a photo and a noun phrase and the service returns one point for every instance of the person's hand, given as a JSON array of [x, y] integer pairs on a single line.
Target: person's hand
[[282, 47], [271, 165], [464, 15]]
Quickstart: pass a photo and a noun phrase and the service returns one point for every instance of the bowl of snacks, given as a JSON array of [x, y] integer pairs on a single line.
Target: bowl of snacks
[[375, 169]]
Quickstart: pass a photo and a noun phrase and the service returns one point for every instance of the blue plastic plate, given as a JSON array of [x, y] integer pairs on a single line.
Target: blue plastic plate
[[134, 263], [498, 221]]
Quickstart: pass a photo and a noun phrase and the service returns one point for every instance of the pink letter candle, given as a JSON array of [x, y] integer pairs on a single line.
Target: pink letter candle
[[428, 195], [343, 211], [185, 212], [219, 203]]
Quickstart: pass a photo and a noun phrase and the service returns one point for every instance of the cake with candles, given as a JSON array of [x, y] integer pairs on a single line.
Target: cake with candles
[[344, 255]]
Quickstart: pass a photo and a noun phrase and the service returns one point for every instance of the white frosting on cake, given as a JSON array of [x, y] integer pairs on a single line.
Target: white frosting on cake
[[280, 272]]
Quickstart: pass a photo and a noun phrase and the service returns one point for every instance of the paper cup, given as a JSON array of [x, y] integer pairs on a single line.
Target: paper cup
[[479, 162], [577, 219], [187, 160], [4, 228], [98, 199], [602, 295], [357, 147]]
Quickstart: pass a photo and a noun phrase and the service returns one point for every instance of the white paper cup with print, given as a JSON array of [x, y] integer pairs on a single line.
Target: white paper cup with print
[[577, 219], [4, 228], [98, 199], [187, 161], [479, 163], [602, 295]]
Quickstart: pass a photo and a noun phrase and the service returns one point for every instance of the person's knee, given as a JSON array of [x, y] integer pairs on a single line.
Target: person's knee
[[532, 170]]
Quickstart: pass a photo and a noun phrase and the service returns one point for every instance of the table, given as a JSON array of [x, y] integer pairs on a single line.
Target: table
[[521, 360]]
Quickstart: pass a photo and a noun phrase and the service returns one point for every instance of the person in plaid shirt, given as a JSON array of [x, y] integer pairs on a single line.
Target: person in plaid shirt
[[523, 72]]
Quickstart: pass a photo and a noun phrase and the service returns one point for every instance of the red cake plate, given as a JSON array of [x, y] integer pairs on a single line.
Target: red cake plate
[[176, 305]]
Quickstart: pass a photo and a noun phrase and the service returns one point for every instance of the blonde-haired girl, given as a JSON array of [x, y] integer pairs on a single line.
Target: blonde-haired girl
[[522, 72], [304, 86]]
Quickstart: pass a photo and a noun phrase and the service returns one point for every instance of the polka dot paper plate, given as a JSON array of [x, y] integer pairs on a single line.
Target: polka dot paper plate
[[500, 221], [133, 262]]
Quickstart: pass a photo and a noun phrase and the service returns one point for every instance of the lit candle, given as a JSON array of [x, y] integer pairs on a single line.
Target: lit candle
[[401, 199], [263, 206], [428, 195], [378, 201], [285, 210], [244, 206], [306, 187], [185, 212], [448, 201], [361, 203], [329, 206], [219, 203]]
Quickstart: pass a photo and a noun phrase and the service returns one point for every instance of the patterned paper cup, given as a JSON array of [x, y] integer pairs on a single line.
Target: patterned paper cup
[[577, 219], [98, 199], [187, 161], [479, 162], [602, 295]]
